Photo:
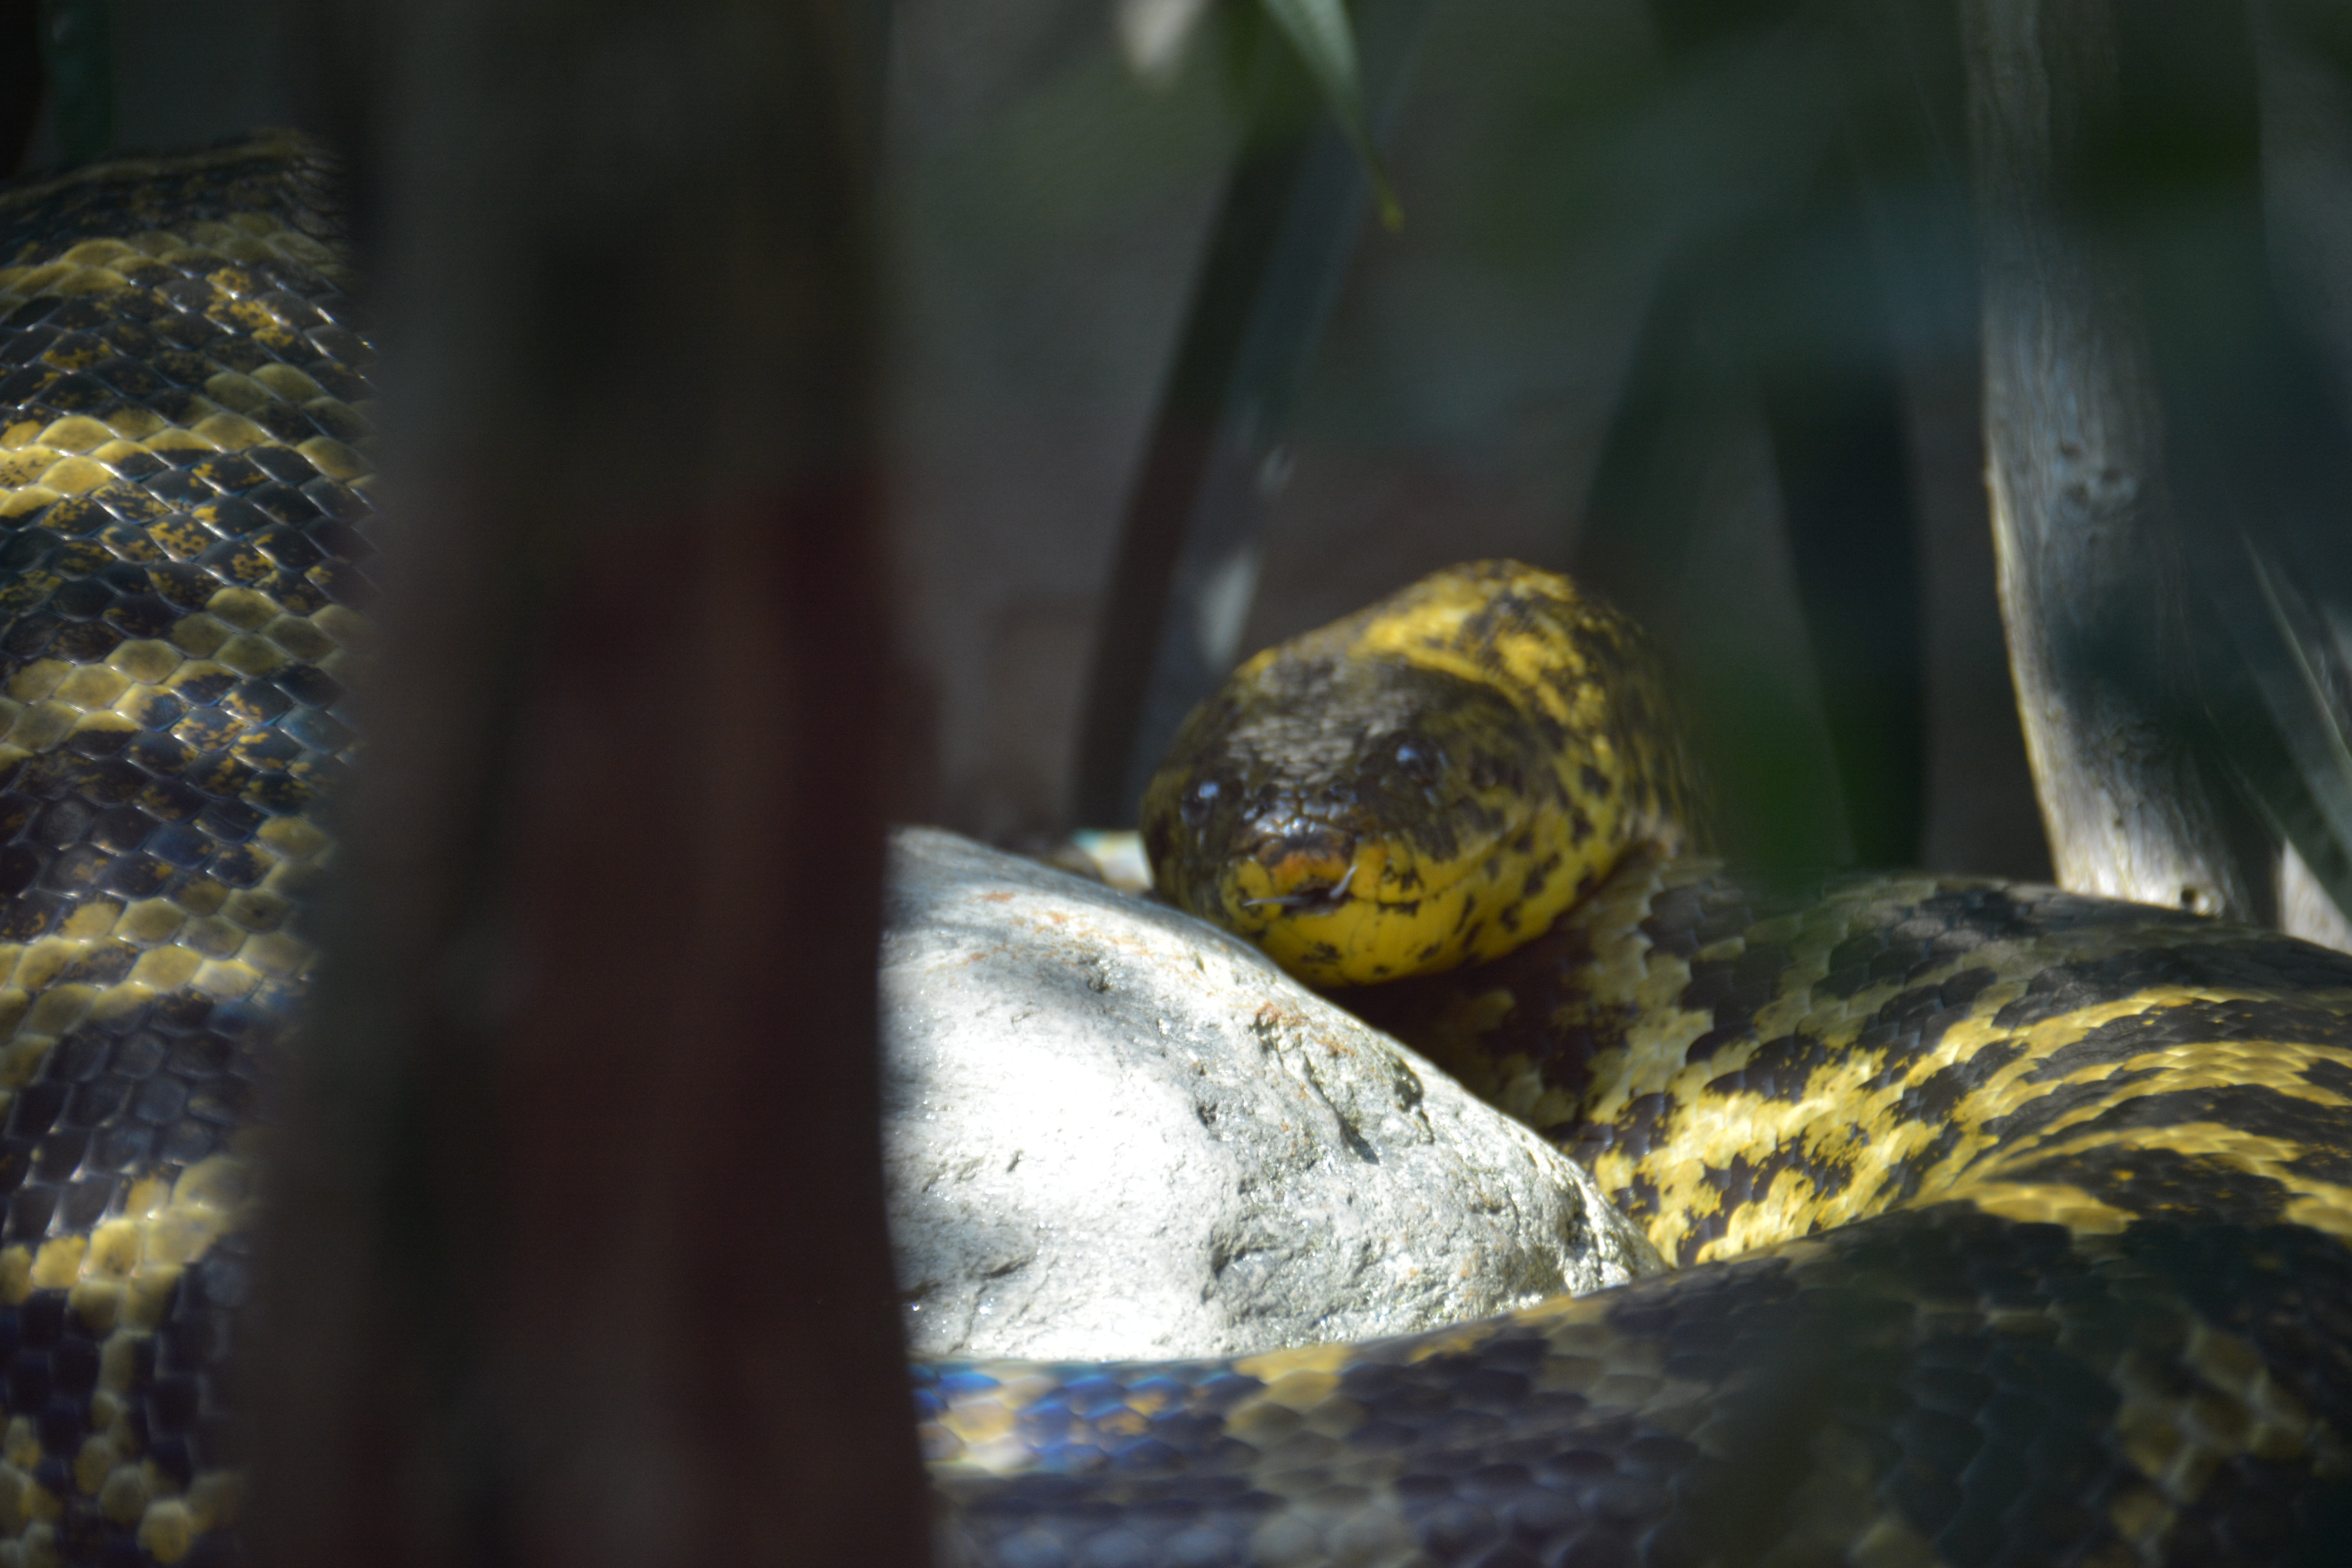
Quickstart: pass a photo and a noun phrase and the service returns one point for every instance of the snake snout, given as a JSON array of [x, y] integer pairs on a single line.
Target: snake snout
[[1304, 867]]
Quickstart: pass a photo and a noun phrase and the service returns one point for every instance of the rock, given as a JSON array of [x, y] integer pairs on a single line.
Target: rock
[[1113, 1131]]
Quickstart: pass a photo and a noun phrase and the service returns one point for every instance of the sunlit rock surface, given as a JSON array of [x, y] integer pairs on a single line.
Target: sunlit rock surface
[[1114, 1133]]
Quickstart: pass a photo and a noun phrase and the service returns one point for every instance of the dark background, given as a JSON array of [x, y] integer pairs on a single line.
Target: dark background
[[1047, 213]]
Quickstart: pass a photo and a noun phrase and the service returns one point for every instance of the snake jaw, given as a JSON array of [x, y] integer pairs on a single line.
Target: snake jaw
[[1308, 898], [1295, 869], [1341, 908]]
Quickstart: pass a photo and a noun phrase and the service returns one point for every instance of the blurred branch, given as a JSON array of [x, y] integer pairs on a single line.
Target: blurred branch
[[1155, 35], [2091, 579], [2255, 443], [2308, 706], [1326, 41], [1671, 464], [578, 1253], [1186, 567], [1790, 311]]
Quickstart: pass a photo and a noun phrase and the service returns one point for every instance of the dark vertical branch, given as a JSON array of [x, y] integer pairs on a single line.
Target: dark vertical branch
[[1644, 506], [1788, 310], [2256, 443], [1688, 394], [1193, 513], [1186, 567], [579, 1256], [1833, 399], [2091, 587]]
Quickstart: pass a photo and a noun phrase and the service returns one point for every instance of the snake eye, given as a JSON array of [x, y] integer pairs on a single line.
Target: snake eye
[[1418, 760], [1197, 802]]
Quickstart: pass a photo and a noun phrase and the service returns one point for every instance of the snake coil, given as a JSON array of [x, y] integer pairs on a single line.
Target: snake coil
[[2012, 1224]]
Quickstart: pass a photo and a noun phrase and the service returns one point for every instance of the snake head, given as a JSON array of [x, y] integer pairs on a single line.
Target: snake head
[[1424, 784]]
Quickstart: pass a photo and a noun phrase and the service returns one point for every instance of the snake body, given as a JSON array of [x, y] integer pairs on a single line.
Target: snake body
[[183, 519], [2014, 1224]]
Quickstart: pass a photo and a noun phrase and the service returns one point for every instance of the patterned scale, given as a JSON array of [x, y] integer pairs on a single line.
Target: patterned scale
[[183, 519]]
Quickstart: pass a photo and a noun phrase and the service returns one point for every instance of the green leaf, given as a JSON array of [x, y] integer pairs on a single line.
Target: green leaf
[[1319, 31]]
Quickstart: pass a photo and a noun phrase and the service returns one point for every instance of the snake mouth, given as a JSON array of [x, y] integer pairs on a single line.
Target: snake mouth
[[1306, 871], [1305, 876], [1327, 898]]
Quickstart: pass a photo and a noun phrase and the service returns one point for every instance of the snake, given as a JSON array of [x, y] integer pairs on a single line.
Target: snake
[[2008, 1226], [2011, 1225]]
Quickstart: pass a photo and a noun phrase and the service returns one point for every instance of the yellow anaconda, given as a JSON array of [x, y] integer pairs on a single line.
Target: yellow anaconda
[[2016, 1226]]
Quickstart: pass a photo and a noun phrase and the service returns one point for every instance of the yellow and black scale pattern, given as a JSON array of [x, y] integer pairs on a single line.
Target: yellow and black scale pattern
[[2016, 1226], [183, 514]]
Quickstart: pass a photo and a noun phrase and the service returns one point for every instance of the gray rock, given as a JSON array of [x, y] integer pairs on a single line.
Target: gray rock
[[1113, 1131]]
